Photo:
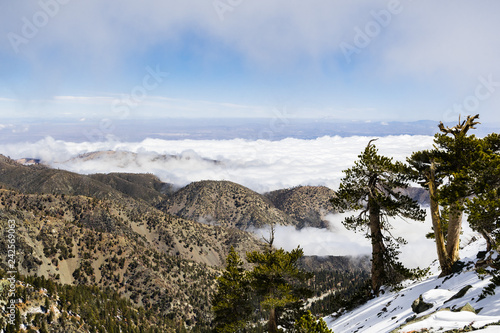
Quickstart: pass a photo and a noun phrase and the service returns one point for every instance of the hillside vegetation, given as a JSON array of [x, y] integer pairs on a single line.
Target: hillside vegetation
[[112, 232]]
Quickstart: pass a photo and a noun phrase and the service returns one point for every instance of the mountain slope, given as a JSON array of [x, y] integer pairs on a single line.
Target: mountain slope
[[104, 231], [138, 186], [307, 204], [224, 203], [446, 303], [148, 256], [78, 230], [41, 179]]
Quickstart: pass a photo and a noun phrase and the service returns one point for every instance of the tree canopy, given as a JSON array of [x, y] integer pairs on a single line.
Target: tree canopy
[[373, 188], [231, 305], [462, 173]]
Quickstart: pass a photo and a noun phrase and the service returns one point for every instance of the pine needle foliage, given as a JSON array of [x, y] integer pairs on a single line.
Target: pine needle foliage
[[280, 283], [462, 174], [371, 187], [231, 304], [308, 324]]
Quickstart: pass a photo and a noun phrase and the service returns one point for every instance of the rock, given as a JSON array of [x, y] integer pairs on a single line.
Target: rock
[[467, 307], [419, 306], [460, 294]]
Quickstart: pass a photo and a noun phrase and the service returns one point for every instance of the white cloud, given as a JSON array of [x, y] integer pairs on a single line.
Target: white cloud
[[338, 241], [427, 57], [260, 165]]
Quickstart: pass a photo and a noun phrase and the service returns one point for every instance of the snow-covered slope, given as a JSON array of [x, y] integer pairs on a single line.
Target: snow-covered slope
[[392, 311]]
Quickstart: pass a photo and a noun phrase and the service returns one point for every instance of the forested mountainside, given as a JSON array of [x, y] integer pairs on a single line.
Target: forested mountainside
[[308, 205], [104, 231], [225, 203]]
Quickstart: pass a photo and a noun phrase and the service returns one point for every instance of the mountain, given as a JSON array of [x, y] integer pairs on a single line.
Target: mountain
[[40, 179], [418, 194], [138, 186], [78, 230], [308, 205], [465, 301], [104, 231], [145, 254], [224, 203]]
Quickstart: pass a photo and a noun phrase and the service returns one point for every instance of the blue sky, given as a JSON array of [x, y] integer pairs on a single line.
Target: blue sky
[[362, 60]]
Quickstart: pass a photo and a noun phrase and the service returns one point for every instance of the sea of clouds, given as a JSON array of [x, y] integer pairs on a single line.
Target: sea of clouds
[[260, 165]]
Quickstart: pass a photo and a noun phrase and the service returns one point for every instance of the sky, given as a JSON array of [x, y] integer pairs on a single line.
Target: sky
[[354, 60]]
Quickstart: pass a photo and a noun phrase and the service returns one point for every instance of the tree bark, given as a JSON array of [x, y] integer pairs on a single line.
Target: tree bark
[[378, 248], [272, 325], [444, 259], [490, 242], [454, 229]]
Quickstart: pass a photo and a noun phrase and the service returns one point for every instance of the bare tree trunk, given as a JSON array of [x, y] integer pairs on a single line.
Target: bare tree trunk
[[272, 325], [490, 242], [444, 259], [454, 229], [378, 248]]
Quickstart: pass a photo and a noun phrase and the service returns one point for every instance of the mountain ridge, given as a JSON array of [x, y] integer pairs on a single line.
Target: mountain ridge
[[104, 230]]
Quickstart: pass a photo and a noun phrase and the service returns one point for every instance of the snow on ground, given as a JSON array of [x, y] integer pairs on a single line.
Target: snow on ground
[[391, 310], [490, 329]]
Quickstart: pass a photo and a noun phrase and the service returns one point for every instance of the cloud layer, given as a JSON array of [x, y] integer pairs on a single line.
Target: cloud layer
[[260, 165], [338, 241], [420, 36]]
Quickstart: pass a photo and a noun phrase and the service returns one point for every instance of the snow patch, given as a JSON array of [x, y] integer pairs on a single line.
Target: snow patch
[[392, 310]]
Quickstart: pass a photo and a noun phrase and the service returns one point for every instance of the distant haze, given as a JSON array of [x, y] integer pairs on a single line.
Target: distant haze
[[277, 128]]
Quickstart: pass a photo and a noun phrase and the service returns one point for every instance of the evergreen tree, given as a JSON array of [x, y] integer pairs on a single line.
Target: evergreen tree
[[308, 324], [371, 186], [430, 176], [277, 278], [455, 151], [231, 305], [484, 207], [462, 173]]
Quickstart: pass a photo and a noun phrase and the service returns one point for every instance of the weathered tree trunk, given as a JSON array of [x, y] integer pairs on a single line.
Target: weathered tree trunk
[[272, 325], [444, 259], [490, 242], [454, 229], [378, 248]]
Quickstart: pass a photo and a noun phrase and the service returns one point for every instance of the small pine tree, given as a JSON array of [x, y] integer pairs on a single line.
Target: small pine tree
[[281, 284], [231, 305], [308, 324]]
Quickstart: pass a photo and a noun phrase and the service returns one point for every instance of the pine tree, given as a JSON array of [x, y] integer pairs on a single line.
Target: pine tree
[[462, 173], [455, 151], [430, 176], [371, 186], [484, 207], [308, 324], [277, 278], [231, 305]]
